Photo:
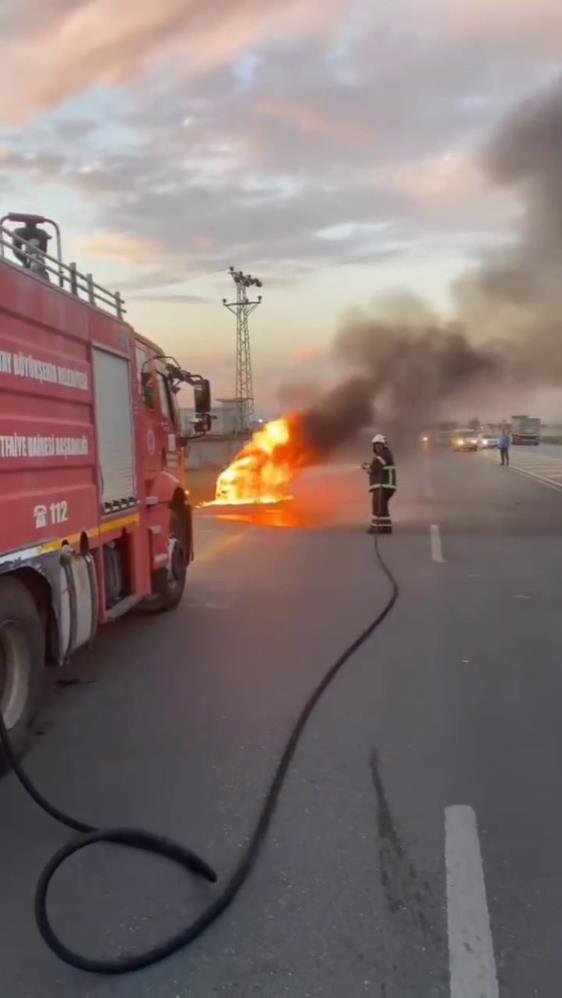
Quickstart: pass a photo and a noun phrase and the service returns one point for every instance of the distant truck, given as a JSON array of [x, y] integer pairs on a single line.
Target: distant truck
[[525, 430]]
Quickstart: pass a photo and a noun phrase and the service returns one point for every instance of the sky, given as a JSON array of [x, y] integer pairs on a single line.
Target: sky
[[333, 148]]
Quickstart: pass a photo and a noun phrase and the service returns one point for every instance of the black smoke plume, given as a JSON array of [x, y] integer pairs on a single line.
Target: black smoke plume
[[408, 363], [336, 418], [515, 299]]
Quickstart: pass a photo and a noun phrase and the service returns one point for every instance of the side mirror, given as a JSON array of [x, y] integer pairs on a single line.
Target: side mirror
[[202, 393]]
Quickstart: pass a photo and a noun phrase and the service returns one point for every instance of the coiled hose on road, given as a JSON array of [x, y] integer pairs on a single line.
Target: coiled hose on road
[[160, 846]]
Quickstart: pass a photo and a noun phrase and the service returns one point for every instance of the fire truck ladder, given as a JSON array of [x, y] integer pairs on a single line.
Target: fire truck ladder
[[41, 265]]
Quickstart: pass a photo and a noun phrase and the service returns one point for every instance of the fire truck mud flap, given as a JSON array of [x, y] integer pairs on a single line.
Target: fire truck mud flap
[[22, 659]]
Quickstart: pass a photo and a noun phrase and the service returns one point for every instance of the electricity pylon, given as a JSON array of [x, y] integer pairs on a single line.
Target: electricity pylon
[[242, 309]]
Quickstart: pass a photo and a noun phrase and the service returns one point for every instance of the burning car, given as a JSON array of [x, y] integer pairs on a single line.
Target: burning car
[[262, 471]]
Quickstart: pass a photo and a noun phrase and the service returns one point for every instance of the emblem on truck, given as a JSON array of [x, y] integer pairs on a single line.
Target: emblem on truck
[[40, 514]]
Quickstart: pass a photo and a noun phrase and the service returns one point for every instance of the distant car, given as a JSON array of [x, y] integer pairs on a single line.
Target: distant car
[[485, 442], [464, 440], [436, 438]]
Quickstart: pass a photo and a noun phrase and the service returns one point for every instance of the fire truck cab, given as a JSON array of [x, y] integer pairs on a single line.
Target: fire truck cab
[[94, 511]]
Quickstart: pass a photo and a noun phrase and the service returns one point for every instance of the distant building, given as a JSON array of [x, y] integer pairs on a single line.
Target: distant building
[[218, 447], [230, 414]]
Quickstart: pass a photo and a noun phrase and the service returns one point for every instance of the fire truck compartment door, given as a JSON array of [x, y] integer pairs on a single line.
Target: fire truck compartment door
[[115, 431]]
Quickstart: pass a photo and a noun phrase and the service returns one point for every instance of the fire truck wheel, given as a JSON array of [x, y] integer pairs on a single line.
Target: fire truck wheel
[[168, 583], [22, 660]]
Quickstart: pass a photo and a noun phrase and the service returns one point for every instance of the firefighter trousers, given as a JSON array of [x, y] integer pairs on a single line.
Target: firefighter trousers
[[380, 520]]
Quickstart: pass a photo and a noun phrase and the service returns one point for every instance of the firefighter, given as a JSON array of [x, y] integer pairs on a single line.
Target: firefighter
[[382, 485]]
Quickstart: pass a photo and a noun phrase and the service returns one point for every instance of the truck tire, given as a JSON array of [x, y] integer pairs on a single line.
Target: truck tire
[[22, 661], [168, 583]]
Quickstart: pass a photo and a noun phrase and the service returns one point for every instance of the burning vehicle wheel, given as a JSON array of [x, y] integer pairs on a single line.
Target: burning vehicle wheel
[[22, 659], [168, 583]]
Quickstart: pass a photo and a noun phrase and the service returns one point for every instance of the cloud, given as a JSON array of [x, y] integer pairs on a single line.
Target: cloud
[[306, 354], [259, 171], [47, 164], [286, 229], [282, 135], [117, 248], [58, 49], [10, 158], [318, 124], [174, 299], [533, 26], [450, 188]]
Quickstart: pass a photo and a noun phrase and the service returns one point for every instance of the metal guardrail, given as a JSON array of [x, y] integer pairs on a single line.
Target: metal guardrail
[[66, 276]]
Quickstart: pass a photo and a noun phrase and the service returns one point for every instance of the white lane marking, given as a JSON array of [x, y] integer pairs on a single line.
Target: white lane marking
[[538, 469], [549, 483], [436, 545], [545, 470], [472, 963]]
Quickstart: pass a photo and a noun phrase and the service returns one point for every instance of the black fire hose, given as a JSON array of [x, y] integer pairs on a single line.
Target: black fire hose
[[160, 846]]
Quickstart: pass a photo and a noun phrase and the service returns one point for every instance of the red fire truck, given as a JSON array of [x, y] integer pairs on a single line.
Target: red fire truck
[[94, 514]]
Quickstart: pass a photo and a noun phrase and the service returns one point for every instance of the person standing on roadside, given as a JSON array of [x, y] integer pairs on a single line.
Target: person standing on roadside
[[504, 445]]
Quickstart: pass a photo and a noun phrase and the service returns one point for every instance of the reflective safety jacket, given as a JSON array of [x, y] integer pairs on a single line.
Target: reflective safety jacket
[[382, 472]]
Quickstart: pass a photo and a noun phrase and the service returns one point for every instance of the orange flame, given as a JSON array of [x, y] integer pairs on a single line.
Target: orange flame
[[263, 469]]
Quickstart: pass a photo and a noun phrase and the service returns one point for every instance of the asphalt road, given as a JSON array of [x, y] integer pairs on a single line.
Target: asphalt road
[[417, 848]]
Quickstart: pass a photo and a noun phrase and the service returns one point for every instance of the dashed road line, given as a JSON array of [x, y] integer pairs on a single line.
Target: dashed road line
[[472, 963], [543, 469], [550, 483], [436, 544]]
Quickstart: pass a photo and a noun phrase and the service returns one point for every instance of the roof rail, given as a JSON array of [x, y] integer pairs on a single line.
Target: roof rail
[[41, 264]]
